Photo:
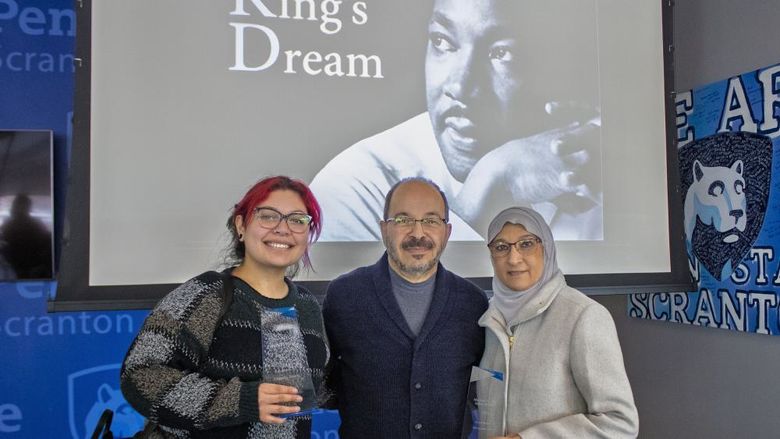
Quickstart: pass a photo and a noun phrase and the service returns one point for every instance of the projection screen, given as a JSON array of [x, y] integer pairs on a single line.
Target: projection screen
[[182, 105]]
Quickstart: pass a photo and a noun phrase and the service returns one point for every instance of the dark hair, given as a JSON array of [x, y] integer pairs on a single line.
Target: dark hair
[[259, 193], [423, 180]]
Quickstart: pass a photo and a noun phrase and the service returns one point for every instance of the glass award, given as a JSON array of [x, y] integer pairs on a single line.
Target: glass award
[[301, 381], [287, 366], [484, 403]]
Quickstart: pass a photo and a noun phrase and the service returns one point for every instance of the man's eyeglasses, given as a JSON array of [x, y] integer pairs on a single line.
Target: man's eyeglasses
[[269, 218], [407, 222], [525, 246]]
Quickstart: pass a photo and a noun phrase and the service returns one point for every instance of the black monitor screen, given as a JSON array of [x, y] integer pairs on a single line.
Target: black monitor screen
[[26, 212]]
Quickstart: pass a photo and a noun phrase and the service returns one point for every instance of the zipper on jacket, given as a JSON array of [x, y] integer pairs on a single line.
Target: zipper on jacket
[[511, 338]]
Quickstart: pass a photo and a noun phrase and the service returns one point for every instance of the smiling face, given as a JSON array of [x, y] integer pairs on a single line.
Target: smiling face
[[414, 251], [279, 247], [473, 79], [518, 271]]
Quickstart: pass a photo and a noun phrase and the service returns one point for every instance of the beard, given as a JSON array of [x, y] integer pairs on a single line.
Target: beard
[[412, 268]]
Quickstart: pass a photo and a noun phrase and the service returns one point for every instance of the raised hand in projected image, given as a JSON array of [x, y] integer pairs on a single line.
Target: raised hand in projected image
[[580, 149], [557, 171]]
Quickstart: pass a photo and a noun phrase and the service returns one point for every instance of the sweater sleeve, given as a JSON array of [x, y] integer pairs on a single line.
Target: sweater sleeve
[[160, 377], [600, 376]]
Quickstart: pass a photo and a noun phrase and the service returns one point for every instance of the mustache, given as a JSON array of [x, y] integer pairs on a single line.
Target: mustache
[[414, 242]]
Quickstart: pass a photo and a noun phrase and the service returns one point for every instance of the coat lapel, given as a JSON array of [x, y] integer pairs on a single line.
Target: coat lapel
[[384, 292], [441, 295]]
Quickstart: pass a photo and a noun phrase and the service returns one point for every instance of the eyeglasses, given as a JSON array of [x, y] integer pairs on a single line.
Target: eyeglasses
[[270, 218], [525, 246], [407, 222]]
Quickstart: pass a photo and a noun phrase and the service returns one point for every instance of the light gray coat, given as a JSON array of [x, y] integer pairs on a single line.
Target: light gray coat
[[566, 377]]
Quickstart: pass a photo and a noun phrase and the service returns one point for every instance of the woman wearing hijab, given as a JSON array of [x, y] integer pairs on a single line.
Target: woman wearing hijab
[[558, 350]]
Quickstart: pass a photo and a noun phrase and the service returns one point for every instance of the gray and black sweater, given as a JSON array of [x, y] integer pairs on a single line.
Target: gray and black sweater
[[197, 376]]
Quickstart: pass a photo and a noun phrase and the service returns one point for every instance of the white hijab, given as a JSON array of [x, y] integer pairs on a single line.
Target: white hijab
[[508, 301]]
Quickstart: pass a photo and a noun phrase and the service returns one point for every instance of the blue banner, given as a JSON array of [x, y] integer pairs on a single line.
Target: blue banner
[[59, 371], [729, 152]]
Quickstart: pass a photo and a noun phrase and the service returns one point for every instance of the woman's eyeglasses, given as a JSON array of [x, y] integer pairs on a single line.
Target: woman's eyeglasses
[[270, 218], [525, 246]]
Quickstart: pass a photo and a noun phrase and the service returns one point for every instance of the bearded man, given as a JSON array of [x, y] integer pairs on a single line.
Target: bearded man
[[403, 332]]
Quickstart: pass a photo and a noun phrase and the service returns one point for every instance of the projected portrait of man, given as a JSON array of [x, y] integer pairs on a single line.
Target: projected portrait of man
[[513, 119]]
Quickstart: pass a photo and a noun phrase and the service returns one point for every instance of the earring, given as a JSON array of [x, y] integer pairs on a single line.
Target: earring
[[241, 237]]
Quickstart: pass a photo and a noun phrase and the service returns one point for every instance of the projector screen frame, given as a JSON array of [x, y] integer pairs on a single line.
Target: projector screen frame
[[75, 293]]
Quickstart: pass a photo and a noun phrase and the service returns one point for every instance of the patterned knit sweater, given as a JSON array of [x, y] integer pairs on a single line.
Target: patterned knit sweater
[[197, 376]]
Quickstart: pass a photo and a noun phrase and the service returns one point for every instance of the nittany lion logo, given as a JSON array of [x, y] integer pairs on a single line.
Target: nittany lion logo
[[90, 391], [725, 180], [717, 198]]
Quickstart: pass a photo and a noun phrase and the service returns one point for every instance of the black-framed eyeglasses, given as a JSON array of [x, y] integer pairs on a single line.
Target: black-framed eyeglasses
[[407, 222], [525, 246], [270, 218]]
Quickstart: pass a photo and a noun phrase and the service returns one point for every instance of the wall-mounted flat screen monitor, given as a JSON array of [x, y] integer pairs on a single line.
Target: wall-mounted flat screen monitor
[[182, 105], [26, 208]]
